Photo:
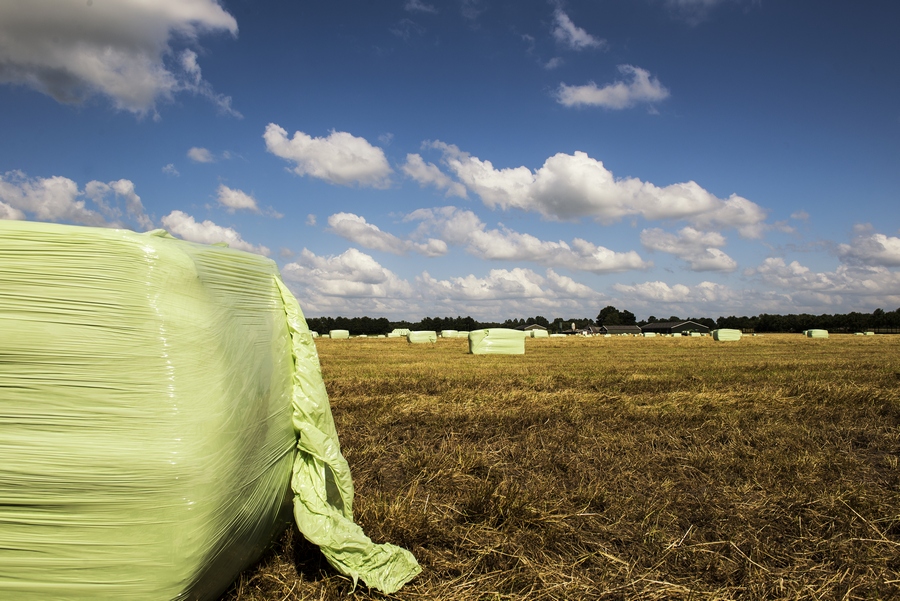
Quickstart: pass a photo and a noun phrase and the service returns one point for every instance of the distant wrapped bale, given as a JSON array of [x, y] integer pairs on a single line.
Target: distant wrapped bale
[[557, 335], [448, 333], [421, 336], [695, 334], [398, 332], [462, 334], [540, 334], [817, 333], [869, 333], [726, 334], [648, 334], [313, 333], [497, 341], [153, 393], [339, 334]]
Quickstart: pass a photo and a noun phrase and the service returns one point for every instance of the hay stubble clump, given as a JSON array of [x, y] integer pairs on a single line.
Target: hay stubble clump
[[617, 468]]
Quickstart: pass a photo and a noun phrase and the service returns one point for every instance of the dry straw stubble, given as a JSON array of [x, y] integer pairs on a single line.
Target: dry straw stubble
[[617, 468]]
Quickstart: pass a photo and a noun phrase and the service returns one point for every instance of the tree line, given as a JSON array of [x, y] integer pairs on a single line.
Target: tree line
[[764, 322]]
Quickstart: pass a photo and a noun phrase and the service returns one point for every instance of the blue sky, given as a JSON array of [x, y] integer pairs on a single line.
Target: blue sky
[[489, 158]]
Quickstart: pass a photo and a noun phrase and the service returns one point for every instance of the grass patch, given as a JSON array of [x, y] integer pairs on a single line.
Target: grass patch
[[616, 468]]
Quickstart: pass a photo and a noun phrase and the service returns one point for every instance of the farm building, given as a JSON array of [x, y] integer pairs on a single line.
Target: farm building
[[531, 327], [675, 327], [619, 330]]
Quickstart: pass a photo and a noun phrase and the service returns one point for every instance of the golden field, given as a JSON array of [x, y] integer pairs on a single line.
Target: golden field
[[616, 468]]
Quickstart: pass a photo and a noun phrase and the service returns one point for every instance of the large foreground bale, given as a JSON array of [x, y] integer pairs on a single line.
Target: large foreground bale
[[160, 400], [817, 333], [421, 336], [726, 334], [497, 341]]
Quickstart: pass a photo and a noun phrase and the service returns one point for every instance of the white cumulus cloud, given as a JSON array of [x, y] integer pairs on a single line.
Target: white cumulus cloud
[[74, 50], [571, 186], [854, 284], [351, 281], [235, 200], [341, 158], [699, 249], [640, 88], [570, 35], [186, 227], [358, 230], [200, 155], [59, 199], [872, 249], [430, 174], [464, 228]]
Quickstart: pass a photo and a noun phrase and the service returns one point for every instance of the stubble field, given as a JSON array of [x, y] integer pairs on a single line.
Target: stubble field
[[616, 468]]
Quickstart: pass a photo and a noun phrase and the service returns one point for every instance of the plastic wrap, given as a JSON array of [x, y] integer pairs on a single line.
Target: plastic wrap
[[149, 419], [449, 333], [497, 341], [339, 334], [817, 333], [726, 334], [421, 336]]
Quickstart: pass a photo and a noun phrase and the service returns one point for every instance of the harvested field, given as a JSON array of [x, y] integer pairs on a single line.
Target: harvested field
[[616, 468]]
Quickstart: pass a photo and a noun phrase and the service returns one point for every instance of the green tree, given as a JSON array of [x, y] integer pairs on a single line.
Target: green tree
[[609, 316]]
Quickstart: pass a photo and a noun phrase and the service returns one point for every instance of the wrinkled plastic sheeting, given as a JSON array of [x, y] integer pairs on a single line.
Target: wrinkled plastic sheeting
[[497, 341], [726, 335], [421, 336], [153, 394]]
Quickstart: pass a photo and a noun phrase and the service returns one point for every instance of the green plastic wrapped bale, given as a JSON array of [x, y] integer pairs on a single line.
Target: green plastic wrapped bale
[[726, 334], [817, 333], [162, 406], [339, 334], [540, 334], [462, 334], [497, 341], [421, 336], [448, 333]]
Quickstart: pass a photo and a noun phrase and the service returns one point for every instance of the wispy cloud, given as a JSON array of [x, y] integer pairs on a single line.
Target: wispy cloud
[[571, 36], [417, 6], [640, 88]]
